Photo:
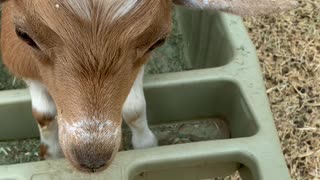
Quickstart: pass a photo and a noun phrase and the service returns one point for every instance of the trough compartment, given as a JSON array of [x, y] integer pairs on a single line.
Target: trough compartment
[[222, 78]]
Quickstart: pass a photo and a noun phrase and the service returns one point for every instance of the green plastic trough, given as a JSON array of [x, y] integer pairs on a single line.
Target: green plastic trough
[[225, 80]]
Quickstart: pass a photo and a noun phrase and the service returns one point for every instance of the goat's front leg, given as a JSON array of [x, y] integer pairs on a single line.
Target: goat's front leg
[[134, 114], [44, 111]]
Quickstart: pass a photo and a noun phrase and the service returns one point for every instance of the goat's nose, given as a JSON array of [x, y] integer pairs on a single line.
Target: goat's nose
[[92, 159], [90, 146]]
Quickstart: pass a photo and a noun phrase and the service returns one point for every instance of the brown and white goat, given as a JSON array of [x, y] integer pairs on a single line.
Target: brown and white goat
[[83, 61]]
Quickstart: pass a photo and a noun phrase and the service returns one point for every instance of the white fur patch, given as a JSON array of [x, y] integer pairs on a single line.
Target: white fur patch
[[82, 130], [135, 114], [144, 140], [43, 103], [49, 137], [41, 100], [125, 8], [80, 7], [83, 8]]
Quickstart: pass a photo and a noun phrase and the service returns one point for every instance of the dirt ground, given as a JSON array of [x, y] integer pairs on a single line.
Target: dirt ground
[[288, 46]]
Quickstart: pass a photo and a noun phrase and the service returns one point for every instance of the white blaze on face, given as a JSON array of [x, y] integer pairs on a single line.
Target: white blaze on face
[[83, 8], [125, 8]]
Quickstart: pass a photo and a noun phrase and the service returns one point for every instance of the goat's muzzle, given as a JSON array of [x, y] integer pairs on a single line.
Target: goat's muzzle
[[90, 145]]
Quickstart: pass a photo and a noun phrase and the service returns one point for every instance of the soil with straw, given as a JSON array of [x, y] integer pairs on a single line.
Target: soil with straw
[[288, 47]]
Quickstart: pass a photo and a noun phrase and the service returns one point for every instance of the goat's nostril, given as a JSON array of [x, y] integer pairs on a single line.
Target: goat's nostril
[[93, 167], [93, 170]]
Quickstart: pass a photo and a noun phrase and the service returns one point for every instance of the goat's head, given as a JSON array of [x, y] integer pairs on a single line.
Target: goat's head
[[88, 54]]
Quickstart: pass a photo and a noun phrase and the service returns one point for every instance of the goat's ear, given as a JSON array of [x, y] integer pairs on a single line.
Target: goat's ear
[[241, 7]]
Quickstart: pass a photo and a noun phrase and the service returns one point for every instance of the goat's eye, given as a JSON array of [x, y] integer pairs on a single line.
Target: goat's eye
[[26, 38], [157, 44]]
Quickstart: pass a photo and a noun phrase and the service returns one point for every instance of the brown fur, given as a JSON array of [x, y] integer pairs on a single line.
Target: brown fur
[[43, 152], [17, 56], [43, 120]]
